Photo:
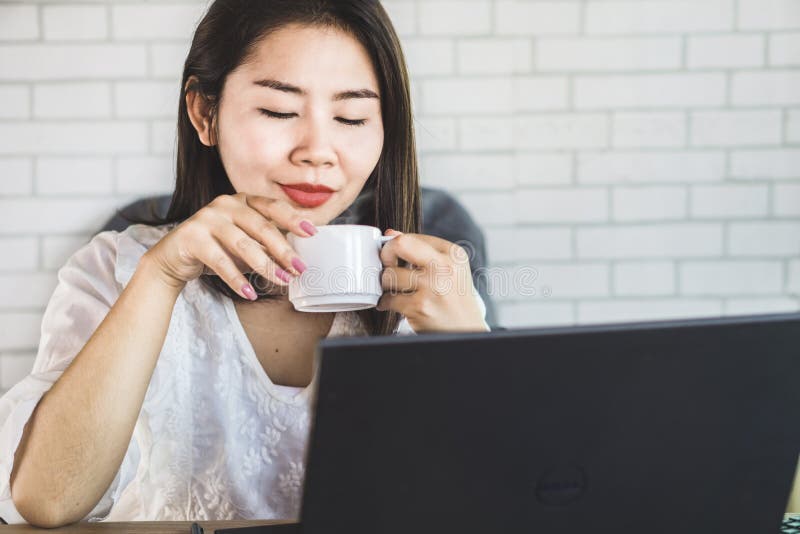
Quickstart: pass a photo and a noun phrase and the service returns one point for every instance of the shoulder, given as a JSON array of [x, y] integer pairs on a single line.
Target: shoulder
[[130, 245], [111, 255]]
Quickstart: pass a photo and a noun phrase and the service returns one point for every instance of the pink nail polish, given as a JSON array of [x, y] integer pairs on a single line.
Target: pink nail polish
[[298, 264], [249, 292], [283, 275], [308, 228]]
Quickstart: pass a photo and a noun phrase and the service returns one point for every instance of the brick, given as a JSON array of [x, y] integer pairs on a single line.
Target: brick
[[562, 280], [773, 88], [56, 250], [639, 17], [488, 208], [430, 56], [26, 291], [543, 169], [540, 93], [760, 306], [57, 62], [786, 200], [731, 128], [535, 314], [729, 201], [638, 310], [532, 244], [656, 167], [644, 279], [63, 23], [766, 164], [606, 54], [58, 216], [552, 132], [147, 99], [468, 171], [164, 21], [793, 126], [18, 23], [163, 136], [649, 130], [403, 15], [72, 100], [650, 241], [769, 15], [764, 239], [784, 50], [16, 176], [649, 203], [69, 138], [561, 205], [145, 175], [536, 18], [14, 366], [467, 95], [535, 244], [731, 278], [167, 59], [16, 102], [725, 51], [485, 133], [20, 330], [650, 91], [19, 253], [793, 273], [432, 133], [449, 17], [494, 56], [74, 176], [501, 246]]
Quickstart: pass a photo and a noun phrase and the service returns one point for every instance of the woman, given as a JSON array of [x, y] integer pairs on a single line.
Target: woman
[[168, 384]]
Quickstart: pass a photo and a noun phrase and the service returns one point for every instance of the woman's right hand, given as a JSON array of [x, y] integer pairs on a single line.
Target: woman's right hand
[[232, 235]]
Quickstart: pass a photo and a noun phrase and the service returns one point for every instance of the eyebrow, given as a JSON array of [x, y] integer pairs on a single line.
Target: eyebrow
[[288, 88]]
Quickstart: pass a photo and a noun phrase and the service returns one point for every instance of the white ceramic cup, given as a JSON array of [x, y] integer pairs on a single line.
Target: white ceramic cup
[[343, 268]]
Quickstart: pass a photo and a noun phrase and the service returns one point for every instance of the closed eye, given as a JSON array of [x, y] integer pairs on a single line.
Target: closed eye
[[276, 115]]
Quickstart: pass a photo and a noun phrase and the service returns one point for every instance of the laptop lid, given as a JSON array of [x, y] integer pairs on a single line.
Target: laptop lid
[[680, 426]]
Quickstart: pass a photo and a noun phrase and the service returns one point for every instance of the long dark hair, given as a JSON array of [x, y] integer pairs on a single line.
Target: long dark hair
[[224, 39]]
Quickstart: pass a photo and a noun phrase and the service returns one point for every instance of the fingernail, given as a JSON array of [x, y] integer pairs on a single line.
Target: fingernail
[[308, 228], [249, 292], [283, 275], [298, 264]]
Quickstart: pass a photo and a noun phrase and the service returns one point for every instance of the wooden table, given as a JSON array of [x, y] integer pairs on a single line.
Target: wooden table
[[138, 527]]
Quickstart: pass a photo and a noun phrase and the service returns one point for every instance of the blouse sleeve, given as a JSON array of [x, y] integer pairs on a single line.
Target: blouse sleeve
[[86, 290], [404, 329]]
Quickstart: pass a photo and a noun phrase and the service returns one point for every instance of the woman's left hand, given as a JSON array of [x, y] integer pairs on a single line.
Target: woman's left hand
[[435, 291]]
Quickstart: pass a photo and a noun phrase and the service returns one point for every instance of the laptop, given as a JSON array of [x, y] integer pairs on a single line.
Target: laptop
[[686, 426]]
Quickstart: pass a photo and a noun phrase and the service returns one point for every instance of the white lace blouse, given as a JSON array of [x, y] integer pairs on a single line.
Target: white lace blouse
[[215, 438]]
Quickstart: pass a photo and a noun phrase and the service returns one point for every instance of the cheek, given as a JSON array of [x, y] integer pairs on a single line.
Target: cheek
[[364, 151], [247, 151]]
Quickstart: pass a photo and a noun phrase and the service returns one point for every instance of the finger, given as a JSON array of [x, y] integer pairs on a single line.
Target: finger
[[283, 214], [220, 262], [398, 302], [411, 248], [265, 232], [241, 245], [400, 279]]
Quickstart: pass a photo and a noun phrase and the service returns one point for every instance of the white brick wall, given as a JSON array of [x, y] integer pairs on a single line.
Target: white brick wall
[[639, 158]]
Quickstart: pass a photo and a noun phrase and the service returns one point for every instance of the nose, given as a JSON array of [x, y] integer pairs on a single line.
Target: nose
[[314, 148]]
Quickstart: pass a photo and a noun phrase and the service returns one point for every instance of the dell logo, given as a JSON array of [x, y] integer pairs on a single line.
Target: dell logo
[[561, 486]]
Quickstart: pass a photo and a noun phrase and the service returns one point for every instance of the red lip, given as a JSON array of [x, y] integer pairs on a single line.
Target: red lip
[[308, 195]]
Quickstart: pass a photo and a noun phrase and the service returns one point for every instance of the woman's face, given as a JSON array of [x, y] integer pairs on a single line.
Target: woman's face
[[304, 110]]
